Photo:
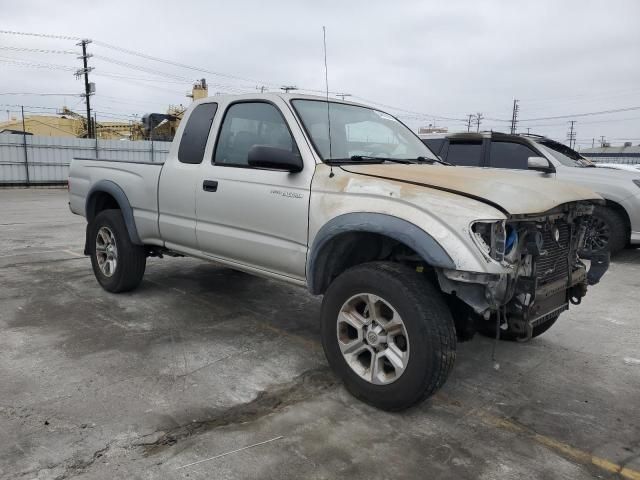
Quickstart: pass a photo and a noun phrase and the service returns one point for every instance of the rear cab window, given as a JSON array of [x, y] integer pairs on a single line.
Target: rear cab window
[[196, 132], [467, 153]]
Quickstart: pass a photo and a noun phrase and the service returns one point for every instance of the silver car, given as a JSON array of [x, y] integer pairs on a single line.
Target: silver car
[[614, 225]]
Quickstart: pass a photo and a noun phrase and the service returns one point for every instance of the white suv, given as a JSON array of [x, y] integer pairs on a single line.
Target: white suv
[[616, 224]]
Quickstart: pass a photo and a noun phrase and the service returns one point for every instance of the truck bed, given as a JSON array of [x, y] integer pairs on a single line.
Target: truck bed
[[139, 181]]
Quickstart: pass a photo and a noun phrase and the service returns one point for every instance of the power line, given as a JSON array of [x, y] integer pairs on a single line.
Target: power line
[[586, 114], [199, 69], [42, 94], [143, 69], [141, 79], [52, 66], [181, 65], [44, 35], [39, 50], [421, 114], [36, 64], [580, 96], [141, 55], [26, 106]]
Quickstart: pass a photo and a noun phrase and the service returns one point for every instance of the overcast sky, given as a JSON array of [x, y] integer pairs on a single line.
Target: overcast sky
[[440, 59]]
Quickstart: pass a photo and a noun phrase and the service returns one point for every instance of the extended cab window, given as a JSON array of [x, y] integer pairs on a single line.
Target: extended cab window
[[465, 153], [196, 132], [510, 155], [248, 124]]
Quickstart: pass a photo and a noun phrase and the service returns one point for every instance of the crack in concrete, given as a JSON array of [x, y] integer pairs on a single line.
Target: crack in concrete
[[307, 385], [70, 467], [303, 387]]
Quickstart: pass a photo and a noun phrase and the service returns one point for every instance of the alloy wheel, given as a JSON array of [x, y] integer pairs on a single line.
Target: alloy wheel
[[373, 338], [106, 251]]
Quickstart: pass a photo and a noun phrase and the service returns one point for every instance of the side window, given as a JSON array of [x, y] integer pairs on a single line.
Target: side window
[[510, 155], [246, 125], [196, 132], [468, 153], [434, 144]]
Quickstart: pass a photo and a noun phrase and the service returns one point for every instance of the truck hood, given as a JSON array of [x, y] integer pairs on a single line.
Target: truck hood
[[606, 175], [515, 193]]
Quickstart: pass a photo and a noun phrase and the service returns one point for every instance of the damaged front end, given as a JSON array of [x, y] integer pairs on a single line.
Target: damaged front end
[[543, 272]]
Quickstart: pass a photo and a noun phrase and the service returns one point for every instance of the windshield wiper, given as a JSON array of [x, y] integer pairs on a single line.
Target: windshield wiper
[[371, 159], [365, 159], [433, 160], [360, 158]]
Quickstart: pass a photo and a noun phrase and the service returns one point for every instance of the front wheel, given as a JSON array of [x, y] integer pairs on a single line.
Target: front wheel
[[388, 334], [117, 263], [607, 230]]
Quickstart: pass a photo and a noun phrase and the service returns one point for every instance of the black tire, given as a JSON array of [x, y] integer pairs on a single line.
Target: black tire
[[131, 259], [607, 229], [428, 322], [488, 329]]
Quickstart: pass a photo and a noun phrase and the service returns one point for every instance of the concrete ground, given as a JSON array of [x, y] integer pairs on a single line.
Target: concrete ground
[[202, 362]]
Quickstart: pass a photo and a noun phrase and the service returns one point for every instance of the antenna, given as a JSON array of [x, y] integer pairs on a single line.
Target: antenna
[[326, 84]]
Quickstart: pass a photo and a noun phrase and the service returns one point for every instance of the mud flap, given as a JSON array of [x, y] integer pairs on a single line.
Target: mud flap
[[599, 265], [86, 241]]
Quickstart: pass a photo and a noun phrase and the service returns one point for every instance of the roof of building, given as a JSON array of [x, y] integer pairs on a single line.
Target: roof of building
[[614, 151]]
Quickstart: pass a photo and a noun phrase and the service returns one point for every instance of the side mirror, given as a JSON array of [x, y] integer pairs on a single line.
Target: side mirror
[[540, 164], [274, 158]]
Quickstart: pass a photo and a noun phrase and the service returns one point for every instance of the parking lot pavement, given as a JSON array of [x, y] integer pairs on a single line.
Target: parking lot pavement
[[205, 372]]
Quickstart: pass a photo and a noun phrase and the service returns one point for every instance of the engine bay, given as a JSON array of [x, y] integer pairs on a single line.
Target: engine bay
[[544, 272]]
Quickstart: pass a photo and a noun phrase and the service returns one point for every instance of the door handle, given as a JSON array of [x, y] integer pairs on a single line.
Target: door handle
[[210, 185]]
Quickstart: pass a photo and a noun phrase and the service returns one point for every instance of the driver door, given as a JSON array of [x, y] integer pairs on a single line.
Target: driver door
[[248, 215]]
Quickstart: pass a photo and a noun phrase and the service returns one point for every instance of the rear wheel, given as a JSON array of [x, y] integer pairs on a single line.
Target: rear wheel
[[117, 263], [388, 334], [607, 229]]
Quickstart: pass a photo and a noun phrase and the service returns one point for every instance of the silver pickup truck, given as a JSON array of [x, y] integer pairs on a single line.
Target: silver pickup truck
[[410, 255]]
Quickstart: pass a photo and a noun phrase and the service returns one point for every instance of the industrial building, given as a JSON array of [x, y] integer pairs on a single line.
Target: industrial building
[[67, 123], [626, 153]]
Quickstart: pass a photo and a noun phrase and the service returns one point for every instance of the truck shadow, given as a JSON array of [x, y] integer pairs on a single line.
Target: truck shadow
[[627, 256]]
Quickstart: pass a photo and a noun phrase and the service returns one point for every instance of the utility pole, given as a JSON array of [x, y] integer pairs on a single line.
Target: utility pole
[[571, 135], [602, 141], [528, 128], [469, 122], [288, 88], [479, 118], [514, 116], [342, 95], [24, 144], [593, 142], [89, 88], [261, 88]]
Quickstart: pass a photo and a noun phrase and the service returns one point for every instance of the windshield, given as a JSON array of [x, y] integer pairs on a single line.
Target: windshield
[[565, 155], [358, 133]]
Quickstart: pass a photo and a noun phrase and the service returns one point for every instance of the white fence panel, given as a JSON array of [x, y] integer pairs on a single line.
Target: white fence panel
[[48, 158]]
